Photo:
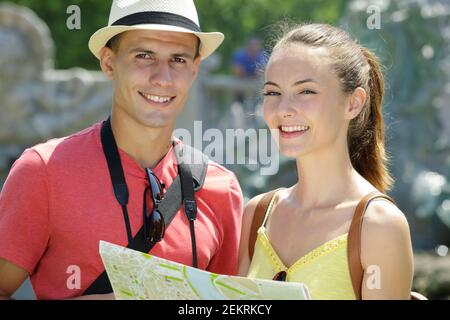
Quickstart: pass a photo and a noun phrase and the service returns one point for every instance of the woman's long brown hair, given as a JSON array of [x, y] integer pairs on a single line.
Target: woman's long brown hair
[[355, 66]]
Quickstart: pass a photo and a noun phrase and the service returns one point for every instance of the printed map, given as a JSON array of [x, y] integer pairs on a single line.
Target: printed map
[[138, 276]]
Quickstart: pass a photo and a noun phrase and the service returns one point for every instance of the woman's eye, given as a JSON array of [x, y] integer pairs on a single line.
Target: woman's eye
[[307, 91], [271, 93]]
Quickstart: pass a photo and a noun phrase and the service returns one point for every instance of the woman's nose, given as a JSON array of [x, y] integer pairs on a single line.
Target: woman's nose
[[286, 108]]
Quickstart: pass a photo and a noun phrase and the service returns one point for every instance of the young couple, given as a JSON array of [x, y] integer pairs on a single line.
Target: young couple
[[323, 93]]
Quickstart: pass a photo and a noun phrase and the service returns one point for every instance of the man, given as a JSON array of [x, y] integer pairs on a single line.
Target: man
[[249, 61], [58, 201]]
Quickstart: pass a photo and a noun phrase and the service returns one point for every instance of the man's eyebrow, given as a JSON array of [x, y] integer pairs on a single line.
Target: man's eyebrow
[[175, 55], [183, 55], [134, 50]]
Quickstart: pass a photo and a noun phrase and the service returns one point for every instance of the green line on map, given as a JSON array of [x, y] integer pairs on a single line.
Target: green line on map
[[229, 288], [169, 267], [173, 278], [127, 293], [189, 283], [212, 278]]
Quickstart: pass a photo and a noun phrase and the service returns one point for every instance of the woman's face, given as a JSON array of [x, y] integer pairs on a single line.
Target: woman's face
[[303, 101]]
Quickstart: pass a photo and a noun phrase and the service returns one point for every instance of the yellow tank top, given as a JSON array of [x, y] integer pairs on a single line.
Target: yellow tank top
[[324, 269]]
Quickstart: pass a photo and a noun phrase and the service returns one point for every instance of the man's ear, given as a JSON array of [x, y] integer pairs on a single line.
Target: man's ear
[[106, 62], [355, 103], [197, 62]]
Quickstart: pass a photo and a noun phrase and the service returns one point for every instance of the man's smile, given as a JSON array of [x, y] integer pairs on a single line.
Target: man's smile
[[156, 98]]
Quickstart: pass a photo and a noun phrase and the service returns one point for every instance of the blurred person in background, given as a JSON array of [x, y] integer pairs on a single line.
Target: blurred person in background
[[248, 62]]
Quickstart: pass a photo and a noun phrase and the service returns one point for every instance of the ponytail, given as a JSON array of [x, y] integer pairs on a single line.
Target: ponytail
[[366, 132]]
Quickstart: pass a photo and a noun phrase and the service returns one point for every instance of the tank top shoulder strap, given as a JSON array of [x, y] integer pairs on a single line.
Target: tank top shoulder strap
[[269, 209], [262, 211]]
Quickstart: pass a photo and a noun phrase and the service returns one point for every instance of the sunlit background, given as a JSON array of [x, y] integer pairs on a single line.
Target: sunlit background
[[50, 86]]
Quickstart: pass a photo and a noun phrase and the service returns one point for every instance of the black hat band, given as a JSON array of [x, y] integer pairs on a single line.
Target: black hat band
[[152, 17]]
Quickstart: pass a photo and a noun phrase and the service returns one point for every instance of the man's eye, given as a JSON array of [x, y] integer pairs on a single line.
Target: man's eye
[[145, 56], [179, 60]]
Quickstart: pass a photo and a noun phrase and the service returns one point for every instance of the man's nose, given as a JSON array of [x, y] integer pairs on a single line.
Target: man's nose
[[161, 75]]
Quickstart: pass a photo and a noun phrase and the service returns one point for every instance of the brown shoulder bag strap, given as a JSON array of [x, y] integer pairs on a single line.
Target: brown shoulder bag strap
[[258, 218], [354, 241]]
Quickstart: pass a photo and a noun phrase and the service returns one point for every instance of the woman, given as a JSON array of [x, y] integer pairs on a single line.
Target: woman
[[323, 96]]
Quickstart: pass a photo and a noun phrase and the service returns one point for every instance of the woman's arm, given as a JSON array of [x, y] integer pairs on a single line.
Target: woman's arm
[[244, 259], [386, 253]]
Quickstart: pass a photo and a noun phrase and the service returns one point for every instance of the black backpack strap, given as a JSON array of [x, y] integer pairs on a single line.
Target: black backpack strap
[[169, 206], [195, 159], [184, 154], [116, 172], [189, 204], [192, 167]]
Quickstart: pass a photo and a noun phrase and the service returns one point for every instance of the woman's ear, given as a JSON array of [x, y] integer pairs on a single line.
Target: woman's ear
[[356, 102], [106, 62]]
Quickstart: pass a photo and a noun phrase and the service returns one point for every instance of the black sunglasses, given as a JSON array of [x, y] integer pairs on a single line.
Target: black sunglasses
[[280, 276], [154, 225]]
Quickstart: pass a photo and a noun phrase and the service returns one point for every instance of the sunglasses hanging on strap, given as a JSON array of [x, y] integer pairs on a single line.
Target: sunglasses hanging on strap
[[192, 167]]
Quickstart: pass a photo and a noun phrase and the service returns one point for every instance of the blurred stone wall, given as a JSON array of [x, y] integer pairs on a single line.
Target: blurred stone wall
[[38, 102], [413, 41]]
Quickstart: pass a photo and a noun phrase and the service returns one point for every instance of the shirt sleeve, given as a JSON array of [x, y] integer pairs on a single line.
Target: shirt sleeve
[[237, 58], [24, 222], [225, 261]]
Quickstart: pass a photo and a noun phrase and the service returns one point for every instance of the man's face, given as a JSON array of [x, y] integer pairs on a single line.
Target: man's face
[[153, 72]]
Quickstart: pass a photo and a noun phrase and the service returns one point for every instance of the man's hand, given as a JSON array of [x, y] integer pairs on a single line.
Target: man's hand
[[11, 278]]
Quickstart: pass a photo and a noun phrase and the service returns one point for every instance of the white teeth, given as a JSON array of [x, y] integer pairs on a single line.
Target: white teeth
[[294, 128], [157, 99]]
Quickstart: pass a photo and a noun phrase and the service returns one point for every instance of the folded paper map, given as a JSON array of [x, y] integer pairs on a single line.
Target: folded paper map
[[138, 276]]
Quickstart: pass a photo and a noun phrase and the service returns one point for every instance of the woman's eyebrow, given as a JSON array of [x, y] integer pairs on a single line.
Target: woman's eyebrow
[[270, 83], [299, 82]]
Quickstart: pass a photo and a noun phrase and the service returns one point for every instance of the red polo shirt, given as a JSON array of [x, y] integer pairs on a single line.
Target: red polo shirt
[[57, 204]]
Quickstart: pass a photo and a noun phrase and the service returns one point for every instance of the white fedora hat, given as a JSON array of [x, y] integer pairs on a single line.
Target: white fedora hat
[[161, 15]]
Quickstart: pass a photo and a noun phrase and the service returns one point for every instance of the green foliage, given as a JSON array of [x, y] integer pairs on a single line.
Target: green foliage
[[237, 19], [71, 48]]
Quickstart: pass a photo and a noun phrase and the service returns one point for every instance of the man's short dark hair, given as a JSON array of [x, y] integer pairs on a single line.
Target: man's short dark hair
[[114, 44]]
